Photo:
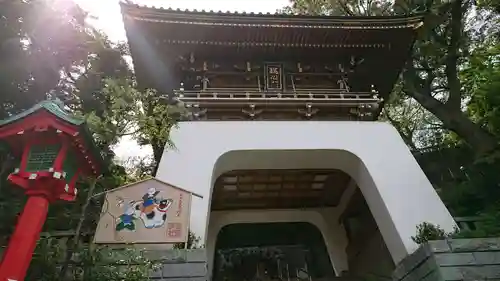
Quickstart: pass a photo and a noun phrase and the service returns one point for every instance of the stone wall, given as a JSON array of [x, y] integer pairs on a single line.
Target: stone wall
[[177, 265], [453, 259]]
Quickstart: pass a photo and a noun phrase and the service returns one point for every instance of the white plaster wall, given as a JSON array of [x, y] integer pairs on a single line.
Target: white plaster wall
[[396, 190]]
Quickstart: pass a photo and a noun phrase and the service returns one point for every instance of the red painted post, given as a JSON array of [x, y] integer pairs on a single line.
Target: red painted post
[[17, 256], [55, 149]]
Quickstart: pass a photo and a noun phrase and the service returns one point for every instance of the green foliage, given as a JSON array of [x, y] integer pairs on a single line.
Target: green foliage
[[89, 264], [146, 116], [418, 127], [428, 231], [122, 264], [157, 118], [139, 168], [475, 190], [47, 49], [38, 39], [119, 117], [446, 104], [431, 76], [339, 8], [486, 226], [483, 85], [493, 5], [193, 242]]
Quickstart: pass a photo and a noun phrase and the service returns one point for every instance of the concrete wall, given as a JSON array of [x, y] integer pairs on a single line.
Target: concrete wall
[[372, 153], [454, 259]]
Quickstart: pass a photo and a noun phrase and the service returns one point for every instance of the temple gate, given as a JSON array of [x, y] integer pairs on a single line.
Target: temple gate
[[282, 139]]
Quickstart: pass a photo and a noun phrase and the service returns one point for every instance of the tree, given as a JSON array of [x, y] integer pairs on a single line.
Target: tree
[[40, 40], [431, 75], [418, 127], [482, 85], [158, 117], [47, 50]]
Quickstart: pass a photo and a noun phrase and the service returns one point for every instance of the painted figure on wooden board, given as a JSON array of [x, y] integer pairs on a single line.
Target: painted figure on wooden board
[[126, 220], [151, 210]]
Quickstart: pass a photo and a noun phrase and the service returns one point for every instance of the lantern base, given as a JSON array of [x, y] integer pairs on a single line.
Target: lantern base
[[17, 256], [45, 183]]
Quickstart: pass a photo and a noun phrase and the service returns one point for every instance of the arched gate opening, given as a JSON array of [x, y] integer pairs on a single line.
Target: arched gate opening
[[277, 251]]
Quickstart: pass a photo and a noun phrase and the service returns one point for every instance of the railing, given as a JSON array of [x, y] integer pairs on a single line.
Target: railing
[[286, 97], [467, 223]]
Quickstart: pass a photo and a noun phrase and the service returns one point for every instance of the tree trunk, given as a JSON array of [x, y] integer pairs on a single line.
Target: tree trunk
[[478, 138], [70, 249], [158, 148]]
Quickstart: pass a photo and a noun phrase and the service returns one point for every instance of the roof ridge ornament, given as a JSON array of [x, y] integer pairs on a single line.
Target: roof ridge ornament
[[309, 111], [59, 103], [252, 112]]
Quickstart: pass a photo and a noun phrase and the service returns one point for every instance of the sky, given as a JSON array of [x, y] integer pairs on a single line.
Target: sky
[[108, 19]]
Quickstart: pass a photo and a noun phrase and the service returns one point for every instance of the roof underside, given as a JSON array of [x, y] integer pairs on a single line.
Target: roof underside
[[279, 189], [161, 38]]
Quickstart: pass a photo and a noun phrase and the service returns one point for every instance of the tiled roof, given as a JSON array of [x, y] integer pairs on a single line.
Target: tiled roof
[[153, 11], [220, 12]]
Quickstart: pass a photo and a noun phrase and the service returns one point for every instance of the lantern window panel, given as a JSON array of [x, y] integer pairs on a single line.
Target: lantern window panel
[[70, 166], [42, 156]]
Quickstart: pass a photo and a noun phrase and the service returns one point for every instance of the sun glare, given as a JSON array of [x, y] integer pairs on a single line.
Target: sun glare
[[107, 17]]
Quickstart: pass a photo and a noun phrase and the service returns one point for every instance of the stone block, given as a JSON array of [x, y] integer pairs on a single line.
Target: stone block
[[423, 270], [411, 262], [487, 258], [166, 255], [196, 255], [433, 276], [177, 255], [185, 279], [184, 270], [455, 259], [474, 245], [485, 272], [439, 246], [452, 260], [156, 273]]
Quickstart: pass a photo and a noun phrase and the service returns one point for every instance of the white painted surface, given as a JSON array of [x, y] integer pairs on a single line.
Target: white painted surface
[[372, 153]]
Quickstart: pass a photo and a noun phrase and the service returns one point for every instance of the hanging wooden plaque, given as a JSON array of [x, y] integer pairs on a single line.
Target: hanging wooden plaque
[[274, 76]]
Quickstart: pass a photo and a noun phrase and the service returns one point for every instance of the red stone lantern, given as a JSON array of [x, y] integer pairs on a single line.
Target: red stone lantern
[[55, 149]]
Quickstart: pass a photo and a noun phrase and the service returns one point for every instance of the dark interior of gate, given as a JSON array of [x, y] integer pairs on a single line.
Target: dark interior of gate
[[294, 250], [276, 251]]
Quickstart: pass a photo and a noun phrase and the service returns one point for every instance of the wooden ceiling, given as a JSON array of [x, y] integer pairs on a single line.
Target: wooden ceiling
[[279, 189]]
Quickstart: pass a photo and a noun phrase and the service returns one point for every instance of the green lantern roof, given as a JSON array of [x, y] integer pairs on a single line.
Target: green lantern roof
[[53, 106], [56, 108]]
